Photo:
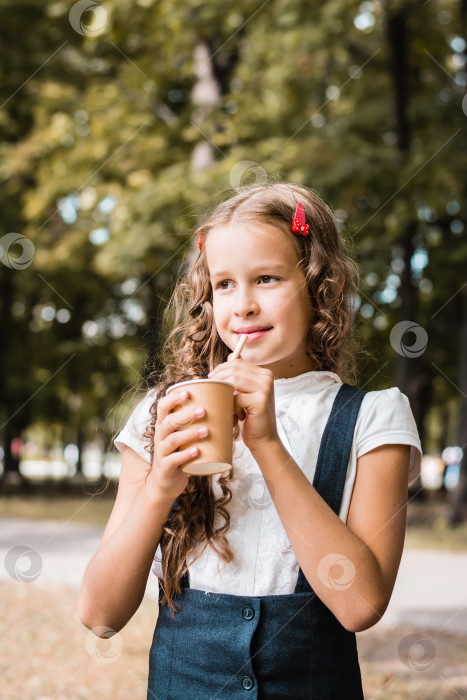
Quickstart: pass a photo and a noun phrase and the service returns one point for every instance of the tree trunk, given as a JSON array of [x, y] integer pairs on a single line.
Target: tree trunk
[[459, 501], [154, 307], [444, 417], [206, 96], [11, 473], [80, 445], [408, 370], [409, 376]]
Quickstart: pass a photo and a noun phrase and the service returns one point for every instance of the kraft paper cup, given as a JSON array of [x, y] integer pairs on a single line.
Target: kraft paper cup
[[216, 450]]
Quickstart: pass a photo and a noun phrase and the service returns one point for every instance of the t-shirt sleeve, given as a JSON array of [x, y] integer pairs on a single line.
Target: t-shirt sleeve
[[132, 432], [389, 420]]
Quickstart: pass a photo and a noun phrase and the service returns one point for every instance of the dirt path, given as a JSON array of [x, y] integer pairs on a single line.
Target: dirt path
[[430, 590], [47, 654]]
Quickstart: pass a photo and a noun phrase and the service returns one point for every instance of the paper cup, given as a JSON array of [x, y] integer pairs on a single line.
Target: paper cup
[[216, 450]]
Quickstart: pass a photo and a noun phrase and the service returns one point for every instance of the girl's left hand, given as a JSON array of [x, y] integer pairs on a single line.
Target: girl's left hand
[[254, 403]]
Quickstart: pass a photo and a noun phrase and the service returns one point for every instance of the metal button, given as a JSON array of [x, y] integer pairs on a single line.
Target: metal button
[[248, 613], [247, 682]]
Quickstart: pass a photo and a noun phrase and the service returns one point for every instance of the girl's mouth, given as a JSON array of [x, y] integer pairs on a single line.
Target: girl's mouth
[[256, 335]]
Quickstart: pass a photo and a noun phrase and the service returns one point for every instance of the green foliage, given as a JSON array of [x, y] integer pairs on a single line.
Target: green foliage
[[304, 90]]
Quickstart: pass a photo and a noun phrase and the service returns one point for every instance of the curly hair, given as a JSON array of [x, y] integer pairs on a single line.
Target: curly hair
[[193, 347]]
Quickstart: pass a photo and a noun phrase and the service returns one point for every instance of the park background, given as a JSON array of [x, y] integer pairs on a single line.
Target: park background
[[121, 124]]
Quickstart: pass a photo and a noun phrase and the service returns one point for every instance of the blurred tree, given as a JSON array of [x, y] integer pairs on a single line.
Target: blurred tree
[[60, 319], [142, 116]]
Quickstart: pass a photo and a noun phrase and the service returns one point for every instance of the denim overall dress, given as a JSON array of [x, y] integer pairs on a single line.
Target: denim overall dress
[[271, 647]]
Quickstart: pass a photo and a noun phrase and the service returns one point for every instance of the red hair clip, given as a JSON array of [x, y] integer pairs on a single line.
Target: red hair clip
[[298, 224]]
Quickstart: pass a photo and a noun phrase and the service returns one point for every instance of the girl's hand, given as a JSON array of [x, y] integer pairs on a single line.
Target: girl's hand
[[254, 404], [166, 473]]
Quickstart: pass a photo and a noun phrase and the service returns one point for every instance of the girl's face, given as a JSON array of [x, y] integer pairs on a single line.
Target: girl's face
[[256, 282]]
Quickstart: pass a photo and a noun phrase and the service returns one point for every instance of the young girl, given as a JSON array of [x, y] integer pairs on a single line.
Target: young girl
[[266, 571]]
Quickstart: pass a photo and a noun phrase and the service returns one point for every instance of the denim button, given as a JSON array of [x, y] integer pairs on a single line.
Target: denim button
[[248, 613], [247, 682]]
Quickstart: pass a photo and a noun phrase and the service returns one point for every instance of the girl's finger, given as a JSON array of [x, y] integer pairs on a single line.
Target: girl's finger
[[165, 420], [179, 438]]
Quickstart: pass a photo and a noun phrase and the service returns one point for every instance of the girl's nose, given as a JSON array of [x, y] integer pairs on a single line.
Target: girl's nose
[[245, 302]]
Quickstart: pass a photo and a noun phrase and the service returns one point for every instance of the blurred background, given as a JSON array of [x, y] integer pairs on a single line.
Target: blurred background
[[121, 123]]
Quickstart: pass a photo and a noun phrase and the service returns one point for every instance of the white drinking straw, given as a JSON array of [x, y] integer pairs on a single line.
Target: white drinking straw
[[239, 347]]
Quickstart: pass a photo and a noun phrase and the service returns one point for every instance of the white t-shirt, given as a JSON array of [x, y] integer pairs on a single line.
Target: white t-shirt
[[265, 563]]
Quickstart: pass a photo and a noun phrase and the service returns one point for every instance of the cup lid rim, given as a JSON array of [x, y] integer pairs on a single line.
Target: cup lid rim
[[198, 381]]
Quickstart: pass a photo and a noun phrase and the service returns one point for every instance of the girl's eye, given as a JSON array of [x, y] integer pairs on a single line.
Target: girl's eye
[[269, 277]]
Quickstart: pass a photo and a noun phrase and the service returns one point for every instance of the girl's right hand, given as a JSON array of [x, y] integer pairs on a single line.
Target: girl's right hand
[[166, 472]]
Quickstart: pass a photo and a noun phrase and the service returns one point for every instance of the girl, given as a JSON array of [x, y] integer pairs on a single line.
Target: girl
[[267, 571]]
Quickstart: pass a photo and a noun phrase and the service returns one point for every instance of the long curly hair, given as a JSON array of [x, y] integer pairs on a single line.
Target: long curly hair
[[193, 348]]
